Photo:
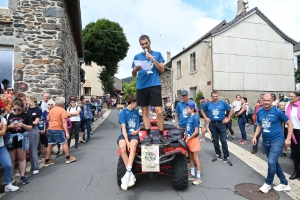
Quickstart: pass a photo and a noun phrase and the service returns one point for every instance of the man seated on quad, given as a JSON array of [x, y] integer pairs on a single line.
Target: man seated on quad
[[129, 139]]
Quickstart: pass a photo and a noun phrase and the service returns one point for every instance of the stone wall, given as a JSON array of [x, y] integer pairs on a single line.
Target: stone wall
[[45, 58], [166, 85]]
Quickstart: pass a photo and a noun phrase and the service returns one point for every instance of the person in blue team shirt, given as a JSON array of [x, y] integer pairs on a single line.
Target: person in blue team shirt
[[193, 142], [217, 125], [181, 115], [129, 139], [269, 122], [149, 87]]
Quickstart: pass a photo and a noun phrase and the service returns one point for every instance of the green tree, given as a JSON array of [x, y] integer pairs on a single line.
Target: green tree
[[129, 88], [105, 44], [297, 75], [199, 94]]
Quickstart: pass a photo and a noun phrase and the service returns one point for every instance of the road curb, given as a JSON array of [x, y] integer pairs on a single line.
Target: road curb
[[261, 167], [95, 125]]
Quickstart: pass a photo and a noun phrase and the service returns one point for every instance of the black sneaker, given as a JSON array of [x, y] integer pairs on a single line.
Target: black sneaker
[[163, 140], [228, 162], [24, 180], [216, 158], [284, 155], [148, 140]]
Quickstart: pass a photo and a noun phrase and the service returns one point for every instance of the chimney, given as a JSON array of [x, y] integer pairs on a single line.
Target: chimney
[[241, 8], [168, 56]]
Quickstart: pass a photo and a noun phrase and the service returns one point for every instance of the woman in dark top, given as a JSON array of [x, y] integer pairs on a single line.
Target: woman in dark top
[[34, 136], [242, 120], [17, 139], [229, 123]]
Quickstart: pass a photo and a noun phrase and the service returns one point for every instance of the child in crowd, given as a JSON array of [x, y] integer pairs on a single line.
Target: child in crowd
[[193, 142], [284, 127], [129, 139]]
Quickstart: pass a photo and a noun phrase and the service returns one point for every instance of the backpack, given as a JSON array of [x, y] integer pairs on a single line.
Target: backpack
[[250, 110], [69, 108], [176, 135]]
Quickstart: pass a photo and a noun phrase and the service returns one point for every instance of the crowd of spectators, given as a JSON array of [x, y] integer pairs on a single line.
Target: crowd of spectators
[[29, 129]]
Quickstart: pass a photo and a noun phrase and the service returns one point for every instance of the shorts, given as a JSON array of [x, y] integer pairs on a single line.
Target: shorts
[[194, 144], [56, 136], [15, 144], [130, 137], [44, 139], [149, 96], [203, 123]]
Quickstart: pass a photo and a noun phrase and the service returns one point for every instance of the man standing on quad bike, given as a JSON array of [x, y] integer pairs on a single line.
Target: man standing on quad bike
[[148, 86], [129, 139]]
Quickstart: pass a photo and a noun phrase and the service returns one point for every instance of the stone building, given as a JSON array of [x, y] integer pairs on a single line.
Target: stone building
[[249, 55], [42, 44], [166, 82]]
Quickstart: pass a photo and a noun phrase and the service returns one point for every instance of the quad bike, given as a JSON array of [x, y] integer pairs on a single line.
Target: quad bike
[[172, 160]]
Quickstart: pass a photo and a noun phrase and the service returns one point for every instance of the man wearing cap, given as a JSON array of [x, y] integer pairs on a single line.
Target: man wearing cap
[[203, 123], [149, 87], [217, 125], [181, 115]]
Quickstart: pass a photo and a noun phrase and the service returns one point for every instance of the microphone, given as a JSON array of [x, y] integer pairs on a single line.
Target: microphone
[[146, 50]]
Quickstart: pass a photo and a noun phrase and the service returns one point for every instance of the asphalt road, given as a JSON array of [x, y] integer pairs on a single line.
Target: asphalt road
[[93, 175]]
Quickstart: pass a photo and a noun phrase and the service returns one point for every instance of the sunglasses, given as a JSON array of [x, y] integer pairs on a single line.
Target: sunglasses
[[72, 102], [19, 110], [50, 104], [10, 89]]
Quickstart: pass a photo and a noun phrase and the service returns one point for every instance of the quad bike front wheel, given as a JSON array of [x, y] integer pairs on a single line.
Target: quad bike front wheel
[[121, 170], [180, 172]]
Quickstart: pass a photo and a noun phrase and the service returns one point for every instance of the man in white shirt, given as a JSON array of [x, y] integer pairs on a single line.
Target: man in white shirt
[[237, 103], [44, 102]]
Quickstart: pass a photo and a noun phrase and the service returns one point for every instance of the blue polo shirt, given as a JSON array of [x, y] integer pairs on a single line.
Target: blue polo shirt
[[192, 123], [183, 115], [146, 79], [216, 111], [131, 119], [271, 124]]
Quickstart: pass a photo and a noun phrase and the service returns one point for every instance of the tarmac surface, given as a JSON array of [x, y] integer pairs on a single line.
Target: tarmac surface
[[93, 174]]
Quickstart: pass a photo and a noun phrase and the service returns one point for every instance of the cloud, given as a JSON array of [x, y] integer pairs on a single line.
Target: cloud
[[173, 24], [170, 24]]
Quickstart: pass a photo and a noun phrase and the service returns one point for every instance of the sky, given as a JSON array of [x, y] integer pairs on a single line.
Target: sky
[[175, 24]]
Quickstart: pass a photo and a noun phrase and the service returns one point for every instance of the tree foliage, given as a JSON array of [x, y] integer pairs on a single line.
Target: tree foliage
[[297, 75], [199, 94], [105, 44], [129, 88]]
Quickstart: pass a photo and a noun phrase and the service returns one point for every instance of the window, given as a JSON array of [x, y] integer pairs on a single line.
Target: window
[[298, 62], [193, 62], [179, 68], [179, 95], [4, 3], [87, 91], [193, 92], [88, 63], [6, 63]]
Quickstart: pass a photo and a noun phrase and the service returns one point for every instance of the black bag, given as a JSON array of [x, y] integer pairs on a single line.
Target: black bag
[[176, 135]]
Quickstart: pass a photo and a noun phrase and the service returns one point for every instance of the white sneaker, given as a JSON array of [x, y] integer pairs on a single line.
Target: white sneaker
[[202, 140], [282, 187], [265, 188], [35, 172], [131, 180], [10, 188], [18, 174], [125, 181]]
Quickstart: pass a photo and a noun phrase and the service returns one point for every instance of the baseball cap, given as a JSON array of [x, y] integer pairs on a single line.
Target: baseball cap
[[191, 105], [202, 98], [184, 92]]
